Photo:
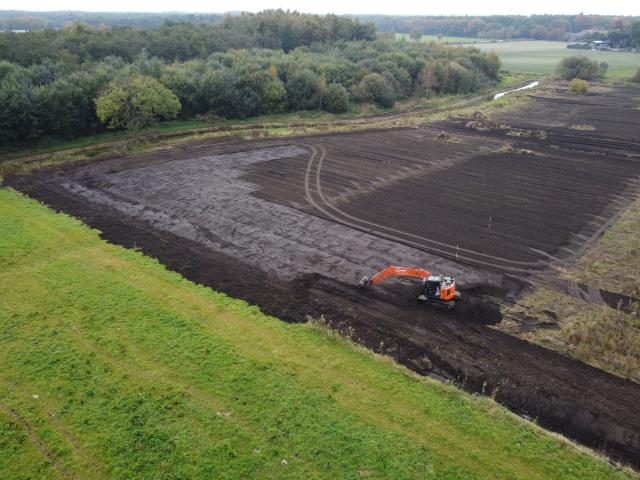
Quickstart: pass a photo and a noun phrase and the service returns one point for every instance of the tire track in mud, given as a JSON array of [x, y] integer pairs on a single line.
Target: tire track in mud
[[469, 256]]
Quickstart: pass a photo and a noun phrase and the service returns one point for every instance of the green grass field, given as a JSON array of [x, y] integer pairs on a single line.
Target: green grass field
[[443, 38], [113, 367], [541, 57]]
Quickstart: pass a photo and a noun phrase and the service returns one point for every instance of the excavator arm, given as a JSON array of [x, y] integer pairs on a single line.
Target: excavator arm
[[392, 271], [436, 289]]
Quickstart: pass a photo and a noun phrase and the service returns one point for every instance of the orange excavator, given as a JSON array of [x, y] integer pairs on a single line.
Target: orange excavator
[[436, 289]]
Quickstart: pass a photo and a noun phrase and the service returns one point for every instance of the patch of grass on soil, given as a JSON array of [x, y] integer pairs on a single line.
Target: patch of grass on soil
[[510, 78], [595, 334], [613, 262], [598, 335], [113, 367]]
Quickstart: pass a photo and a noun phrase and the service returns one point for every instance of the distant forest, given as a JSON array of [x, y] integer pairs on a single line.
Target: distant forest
[[76, 42], [540, 27], [25, 20], [503, 27], [79, 79]]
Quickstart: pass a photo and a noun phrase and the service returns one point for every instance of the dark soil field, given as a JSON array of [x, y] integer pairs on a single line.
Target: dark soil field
[[292, 225]]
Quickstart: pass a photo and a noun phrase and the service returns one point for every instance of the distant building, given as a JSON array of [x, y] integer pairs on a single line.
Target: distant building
[[591, 45], [600, 45]]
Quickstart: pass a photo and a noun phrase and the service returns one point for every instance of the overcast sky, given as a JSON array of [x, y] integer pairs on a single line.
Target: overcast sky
[[391, 7]]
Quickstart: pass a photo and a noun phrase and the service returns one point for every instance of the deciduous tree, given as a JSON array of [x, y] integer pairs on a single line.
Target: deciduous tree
[[581, 67], [336, 98], [135, 103]]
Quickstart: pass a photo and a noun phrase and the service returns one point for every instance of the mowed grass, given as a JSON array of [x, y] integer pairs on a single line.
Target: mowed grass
[[113, 367], [542, 57]]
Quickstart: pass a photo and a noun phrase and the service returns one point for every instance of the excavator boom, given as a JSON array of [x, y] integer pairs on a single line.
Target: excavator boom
[[436, 288], [392, 271]]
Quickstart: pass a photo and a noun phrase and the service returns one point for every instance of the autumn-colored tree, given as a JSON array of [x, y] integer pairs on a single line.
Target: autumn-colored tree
[[578, 86], [426, 81]]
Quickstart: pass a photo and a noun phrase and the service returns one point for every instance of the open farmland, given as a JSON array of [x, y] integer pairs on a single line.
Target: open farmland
[[292, 224], [541, 57]]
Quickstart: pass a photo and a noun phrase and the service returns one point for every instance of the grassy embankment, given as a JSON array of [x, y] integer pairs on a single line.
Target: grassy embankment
[[539, 57], [113, 367], [598, 335]]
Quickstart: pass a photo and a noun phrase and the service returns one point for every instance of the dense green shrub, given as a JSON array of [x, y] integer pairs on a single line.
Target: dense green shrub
[[19, 103], [336, 98], [581, 67], [135, 103], [302, 88], [374, 88], [274, 96]]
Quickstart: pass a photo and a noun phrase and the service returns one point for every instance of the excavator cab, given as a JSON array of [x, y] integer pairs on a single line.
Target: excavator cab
[[436, 289], [431, 287], [439, 288]]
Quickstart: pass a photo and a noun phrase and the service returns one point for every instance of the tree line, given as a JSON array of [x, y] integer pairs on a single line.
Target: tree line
[[541, 27], [623, 33], [505, 27], [26, 20], [64, 98], [276, 29]]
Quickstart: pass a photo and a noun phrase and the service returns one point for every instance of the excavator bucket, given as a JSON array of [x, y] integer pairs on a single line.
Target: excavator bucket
[[364, 282]]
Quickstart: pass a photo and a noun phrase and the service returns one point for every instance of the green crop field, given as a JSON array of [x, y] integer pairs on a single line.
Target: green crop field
[[113, 367], [541, 57]]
